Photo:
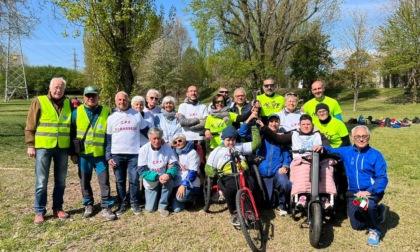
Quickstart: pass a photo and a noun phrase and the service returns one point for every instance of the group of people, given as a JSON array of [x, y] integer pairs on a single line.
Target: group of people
[[164, 150]]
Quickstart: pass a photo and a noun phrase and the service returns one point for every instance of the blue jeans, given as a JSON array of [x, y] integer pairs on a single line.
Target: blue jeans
[[42, 172], [127, 163], [280, 182], [190, 195], [152, 196]]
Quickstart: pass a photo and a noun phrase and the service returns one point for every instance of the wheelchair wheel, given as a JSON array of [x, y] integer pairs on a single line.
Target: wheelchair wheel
[[260, 181], [315, 224], [251, 225], [208, 183]]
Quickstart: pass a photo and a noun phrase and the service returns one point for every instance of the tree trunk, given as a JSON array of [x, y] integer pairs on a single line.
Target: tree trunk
[[126, 76], [356, 97]]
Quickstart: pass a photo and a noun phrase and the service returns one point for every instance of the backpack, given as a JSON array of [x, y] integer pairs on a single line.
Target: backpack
[[416, 120], [387, 122], [361, 119]]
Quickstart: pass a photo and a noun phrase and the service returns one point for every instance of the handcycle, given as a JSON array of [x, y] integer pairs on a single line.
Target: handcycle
[[313, 210]]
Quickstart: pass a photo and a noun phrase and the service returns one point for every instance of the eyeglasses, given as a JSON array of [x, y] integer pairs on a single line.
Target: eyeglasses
[[223, 92], [291, 94], [268, 85], [240, 96], [90, 95], [362, 137], [153, 98], [322, 111], [219, 102], [178, 141]]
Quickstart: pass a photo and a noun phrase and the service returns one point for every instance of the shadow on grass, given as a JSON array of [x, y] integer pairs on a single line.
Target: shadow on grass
[[391, 221], [267, 216]]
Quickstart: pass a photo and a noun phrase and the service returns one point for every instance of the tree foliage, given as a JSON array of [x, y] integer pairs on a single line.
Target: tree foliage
[[262, 31], [118, 33], [311, 59], [400, 44]]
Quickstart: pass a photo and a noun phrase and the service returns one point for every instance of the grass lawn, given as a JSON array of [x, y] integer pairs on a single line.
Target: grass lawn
[[194, 230]]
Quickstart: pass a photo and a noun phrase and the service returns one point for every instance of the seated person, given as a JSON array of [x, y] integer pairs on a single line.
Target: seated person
[[158, 166], [221, 155], [367, 177], [304, 138], [187, 182], [273, 169]]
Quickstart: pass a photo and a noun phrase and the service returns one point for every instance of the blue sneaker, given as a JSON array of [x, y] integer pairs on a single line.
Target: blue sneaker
[[373, 237], [382, 209]]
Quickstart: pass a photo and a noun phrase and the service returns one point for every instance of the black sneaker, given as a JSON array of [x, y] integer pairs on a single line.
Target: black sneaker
[[121, 210], [88, 211], [136, 209], [382, 209]]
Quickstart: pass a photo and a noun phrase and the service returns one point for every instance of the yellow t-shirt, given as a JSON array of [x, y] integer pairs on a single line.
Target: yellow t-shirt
[[333, 131], [309, 106], [270, 105], [216, 126]]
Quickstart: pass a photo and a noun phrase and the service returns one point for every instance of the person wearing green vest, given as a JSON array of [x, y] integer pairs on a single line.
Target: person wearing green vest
[[94, 116], [270, 101], [317, 89], [47, 135]]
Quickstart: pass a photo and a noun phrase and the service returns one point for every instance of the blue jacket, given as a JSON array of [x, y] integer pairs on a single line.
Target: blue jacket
[[365, 168], [275, 157]]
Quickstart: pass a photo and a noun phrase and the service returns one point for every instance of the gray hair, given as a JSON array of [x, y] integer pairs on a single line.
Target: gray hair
[[155, 131], [124, 93], [58, 78], [179, 135], [170, 99], [137, 98], [360, 127], [240, 89], [153, 91]]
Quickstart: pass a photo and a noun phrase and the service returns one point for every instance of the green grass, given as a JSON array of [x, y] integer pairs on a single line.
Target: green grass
[[194, 230]]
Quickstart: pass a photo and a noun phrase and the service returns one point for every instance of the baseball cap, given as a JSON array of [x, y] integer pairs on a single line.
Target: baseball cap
[[273, 115], [90, 90]]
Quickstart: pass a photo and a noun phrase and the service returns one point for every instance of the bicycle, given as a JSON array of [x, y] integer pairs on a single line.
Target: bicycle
[[248, 215]]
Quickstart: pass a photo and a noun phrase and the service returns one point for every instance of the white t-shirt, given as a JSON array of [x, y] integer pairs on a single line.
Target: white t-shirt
[[220, 155], [304, 142], [289, 120], [124, 126], [190, 161], [192, 111], [156, 110], [149, 119], [155, 160]]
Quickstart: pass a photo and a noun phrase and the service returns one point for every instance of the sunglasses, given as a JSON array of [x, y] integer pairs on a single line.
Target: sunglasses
[[153, 98], [224, 92], [90, 95], [291, 94], [219, 102], [268, 85], [178, 141]]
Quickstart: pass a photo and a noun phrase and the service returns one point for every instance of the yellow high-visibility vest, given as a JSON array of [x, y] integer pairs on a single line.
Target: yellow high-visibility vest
[[53, 129], [95, 137]]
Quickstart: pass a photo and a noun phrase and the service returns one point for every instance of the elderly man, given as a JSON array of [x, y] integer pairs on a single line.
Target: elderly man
[[158, 166], [270, 101], [290, 114], [152, 101], [123, 142], [240, 105], [47, 135], [367, 177], [192, 117], [89, 121], [317, 89]]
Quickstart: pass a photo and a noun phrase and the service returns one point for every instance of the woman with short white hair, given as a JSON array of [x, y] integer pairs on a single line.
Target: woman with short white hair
[[167, 120], [137, 103]]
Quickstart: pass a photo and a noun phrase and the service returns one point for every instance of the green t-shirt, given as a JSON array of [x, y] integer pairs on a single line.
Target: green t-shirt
[[270, 105], [216, 126], [333, 131], [309, 106]]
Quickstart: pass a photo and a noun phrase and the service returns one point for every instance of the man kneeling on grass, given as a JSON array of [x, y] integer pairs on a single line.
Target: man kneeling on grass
[[367, 177]]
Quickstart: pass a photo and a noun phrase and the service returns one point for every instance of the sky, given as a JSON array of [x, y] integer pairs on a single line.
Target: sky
[[47, 46]]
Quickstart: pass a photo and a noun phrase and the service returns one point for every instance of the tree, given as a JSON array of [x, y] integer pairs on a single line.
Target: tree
[[118, 33], [400, 45], [262, 31], [311, 59], [357, 37]]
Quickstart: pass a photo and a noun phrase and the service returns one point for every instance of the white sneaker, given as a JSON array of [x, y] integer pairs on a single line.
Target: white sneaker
[[282, 212], [302, 202], [326, 203]]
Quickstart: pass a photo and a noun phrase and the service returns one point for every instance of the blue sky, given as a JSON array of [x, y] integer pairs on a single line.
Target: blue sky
[[47, 46]]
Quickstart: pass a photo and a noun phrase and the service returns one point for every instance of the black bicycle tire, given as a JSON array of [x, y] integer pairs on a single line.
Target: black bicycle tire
[[208, 183], [260, 181], [244, 205], [315, 224]]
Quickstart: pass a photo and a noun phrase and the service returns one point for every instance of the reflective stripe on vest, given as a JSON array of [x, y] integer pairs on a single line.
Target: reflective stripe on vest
[[53, 130], [95, 137]]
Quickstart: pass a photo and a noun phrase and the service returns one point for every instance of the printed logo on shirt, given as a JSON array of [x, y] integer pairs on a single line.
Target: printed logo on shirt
[[195, 114], [271, 105], [156, 169], [219, 124], [65, 117], [100, 126]]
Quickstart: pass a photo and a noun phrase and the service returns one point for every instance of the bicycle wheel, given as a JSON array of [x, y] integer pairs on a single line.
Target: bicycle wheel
[[315, 224], [251, 225], [208, 183]]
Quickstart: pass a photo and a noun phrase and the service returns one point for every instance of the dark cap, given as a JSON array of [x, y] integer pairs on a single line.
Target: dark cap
[[229, 132], [90, 90], [273, 116], [321, 106]]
